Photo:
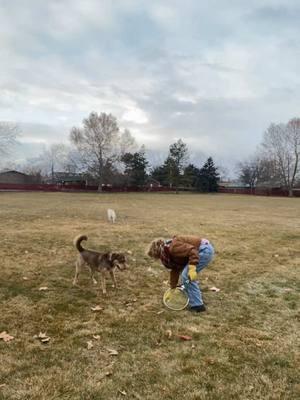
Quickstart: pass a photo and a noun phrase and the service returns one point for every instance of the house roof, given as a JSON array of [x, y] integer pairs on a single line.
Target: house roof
[[12, 172]]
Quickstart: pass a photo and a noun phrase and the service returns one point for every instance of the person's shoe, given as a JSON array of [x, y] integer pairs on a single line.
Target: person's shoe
[[198, 308]]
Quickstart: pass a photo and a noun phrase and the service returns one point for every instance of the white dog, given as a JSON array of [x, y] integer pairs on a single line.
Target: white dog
[[111, 215]]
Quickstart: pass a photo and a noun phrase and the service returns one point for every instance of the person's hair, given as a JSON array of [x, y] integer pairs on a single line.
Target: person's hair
[[153, 249]]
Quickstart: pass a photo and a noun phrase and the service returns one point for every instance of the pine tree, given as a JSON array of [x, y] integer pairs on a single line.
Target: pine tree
[[136, 167], [208, 177], [191, 176]]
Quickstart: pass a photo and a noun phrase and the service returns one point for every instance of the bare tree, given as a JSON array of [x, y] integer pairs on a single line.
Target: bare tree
[[282, 145], [127, 142], [72, 161], [100, 144], [268, 173], [8, 136], [54, 158], [259, 171], [249, 172], [293, 128]]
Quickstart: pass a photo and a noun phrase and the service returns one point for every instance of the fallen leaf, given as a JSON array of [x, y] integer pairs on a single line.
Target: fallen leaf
[[90, 345], [288, 289], [112, 352], [42, 288], [97, 308], [6, 337], [209, 360], [214, 289], [97, 337], [2, 385], [42, 337], [168, 333], [129, 252], [25, 278], [276, 255], [185, 337], [123, 392], [160, 312], [128, 303]]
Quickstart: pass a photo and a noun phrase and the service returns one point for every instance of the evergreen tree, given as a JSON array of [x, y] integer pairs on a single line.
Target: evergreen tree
[[160, 174], [135, 167], [208, 177], [191, 176], [166, 173], [171, 172]]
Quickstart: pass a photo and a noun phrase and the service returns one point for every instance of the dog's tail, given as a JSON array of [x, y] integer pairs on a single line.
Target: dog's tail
[[77, 242]]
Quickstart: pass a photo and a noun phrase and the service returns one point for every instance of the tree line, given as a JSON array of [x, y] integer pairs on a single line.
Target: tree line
[[108, 156], [101, 151]]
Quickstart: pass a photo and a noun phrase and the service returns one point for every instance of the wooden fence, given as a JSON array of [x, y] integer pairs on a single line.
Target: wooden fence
[[119, 189], [260, 191], [79, 188]]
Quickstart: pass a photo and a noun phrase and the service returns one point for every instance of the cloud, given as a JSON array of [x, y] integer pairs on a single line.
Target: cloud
[[213, 73]]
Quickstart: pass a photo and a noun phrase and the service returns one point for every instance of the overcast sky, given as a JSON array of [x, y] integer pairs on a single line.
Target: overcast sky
[[214, 73]]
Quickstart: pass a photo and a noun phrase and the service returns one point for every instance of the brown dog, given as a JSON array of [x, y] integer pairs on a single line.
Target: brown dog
[[100, 262]]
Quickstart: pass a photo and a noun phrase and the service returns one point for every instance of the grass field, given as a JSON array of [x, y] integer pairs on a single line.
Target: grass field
[[246, 346]]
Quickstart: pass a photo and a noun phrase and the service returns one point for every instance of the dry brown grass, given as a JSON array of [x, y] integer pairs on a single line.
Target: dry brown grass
[[244, 347]]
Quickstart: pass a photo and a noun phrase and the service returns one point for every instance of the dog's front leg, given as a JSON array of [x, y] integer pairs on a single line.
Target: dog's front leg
[[113, 277], [103, 282]]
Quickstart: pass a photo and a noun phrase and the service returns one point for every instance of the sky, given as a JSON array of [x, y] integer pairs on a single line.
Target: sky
[[214, 74]]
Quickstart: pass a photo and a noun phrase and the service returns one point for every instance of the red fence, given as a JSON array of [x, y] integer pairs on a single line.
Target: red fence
[[119, 189], [260, 191], [78, 188]]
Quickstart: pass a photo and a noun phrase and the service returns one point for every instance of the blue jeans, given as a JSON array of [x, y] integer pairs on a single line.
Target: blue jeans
[[206, 253]]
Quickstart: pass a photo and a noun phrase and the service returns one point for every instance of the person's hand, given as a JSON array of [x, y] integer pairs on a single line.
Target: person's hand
[[192, 274]]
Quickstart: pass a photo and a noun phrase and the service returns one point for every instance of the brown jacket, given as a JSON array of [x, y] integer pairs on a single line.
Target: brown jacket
[[183, 250]]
